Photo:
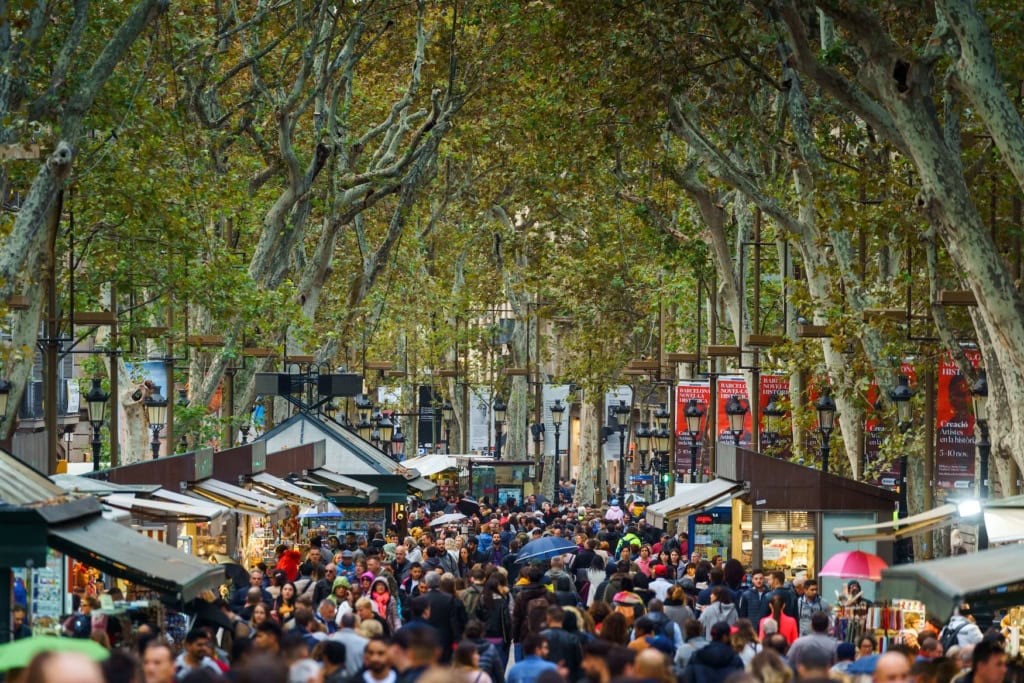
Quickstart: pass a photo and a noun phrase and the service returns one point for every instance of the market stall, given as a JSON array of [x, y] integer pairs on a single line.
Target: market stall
[[258, 534]]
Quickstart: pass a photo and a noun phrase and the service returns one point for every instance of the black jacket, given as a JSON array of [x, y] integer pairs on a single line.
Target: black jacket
[[712, 664], [520, 610], [448, 616], [753, 605], [564, 648]]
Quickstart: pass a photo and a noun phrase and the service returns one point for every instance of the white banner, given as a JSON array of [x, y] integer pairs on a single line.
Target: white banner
[[552, 393], [481, 420], [611, 402]]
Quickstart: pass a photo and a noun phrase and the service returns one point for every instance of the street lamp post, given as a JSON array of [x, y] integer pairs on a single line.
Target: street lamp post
[[901, 395], [557, 413], [96, 400], [244, 428], [183, 403], [622, 413], [156, 410], [5, 395], [663, 441], [979, 393], [826, 408], [643, 444], [773, 414], [499, 417], [447, 413], [387, 430], [694, 413], [398, 443], [736, 410]]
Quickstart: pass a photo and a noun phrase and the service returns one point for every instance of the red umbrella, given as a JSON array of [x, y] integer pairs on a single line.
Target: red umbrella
[[854, 564]]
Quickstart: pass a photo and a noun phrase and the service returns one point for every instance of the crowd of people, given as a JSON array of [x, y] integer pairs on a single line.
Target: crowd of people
[[459, 604]]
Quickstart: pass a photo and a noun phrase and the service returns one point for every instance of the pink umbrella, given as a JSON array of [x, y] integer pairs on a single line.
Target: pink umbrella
[[854, 564]]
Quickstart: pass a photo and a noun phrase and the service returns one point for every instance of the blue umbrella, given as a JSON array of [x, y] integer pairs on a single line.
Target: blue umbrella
[[864, 665], [545, 548]]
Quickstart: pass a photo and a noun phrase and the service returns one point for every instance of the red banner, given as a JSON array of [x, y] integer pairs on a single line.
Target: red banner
[[727, 388], [684, 392], [777, 444], [954, 426]]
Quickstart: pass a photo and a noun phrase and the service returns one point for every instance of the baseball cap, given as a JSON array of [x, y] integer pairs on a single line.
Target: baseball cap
[[661, 570], [347, 553]]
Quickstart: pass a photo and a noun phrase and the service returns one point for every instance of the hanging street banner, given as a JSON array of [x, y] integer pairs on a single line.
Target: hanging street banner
[[611, 402], [685, 391], [727, 388], [778, 444], [481, 421], [553, 392], [954, 426]]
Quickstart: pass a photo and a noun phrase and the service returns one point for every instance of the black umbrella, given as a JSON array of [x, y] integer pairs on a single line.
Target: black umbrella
[[208, 614], [468, 507]]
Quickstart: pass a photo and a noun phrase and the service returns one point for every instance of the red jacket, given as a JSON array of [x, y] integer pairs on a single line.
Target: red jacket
[[289, 563], [787, 627]]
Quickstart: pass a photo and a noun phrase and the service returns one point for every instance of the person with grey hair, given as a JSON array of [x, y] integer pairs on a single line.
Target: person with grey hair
[[304, 671], [447, 615], [354, 643]]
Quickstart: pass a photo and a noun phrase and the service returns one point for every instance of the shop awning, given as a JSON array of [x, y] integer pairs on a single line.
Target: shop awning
[[994, 578], [429, 465], [346, 486], [694, 498], [241, 499], [421, 486], [1004, 525], [126, 554], [196, 499], [288, 490], [895, 529], [154, 508]]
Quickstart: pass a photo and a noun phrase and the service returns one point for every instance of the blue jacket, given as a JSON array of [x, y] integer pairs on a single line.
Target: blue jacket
[[527, 670], [753, 605], [712, 664]]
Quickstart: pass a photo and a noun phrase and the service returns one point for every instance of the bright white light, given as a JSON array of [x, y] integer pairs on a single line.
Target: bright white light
[[969, 508]]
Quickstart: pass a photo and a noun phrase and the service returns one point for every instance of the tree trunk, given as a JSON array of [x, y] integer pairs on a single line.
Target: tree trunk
[[591, 483]]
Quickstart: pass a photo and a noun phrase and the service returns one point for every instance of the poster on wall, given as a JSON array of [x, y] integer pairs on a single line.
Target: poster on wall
[[701, 392], [553, 392], [954, 426], [612, 400], [481, 421], [727, 388], [778, 444]]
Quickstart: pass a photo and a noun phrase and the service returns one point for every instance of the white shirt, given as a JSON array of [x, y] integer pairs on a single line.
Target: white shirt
[[390, 678]]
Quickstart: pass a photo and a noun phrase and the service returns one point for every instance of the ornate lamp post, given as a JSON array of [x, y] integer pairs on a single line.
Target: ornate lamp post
[[499, 408], [773, 414], [183, 403], [557, 413], [387, 430], [643, 444], [398, 444], [622, 413], [901, 395], [694, 414], [979, 393], [736, 410], [245, 428], [662, 441], [447, 413], [5, 395], [96, 400], [156, 410], [826, 408]]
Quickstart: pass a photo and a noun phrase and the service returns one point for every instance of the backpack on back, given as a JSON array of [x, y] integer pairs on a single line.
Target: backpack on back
[[950, 637]]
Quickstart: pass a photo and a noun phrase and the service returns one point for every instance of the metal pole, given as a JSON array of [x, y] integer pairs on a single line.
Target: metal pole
[[169, 384], [497, 444], [824, 451], [96, 443], [693, 460], [622, 463], [155, 444], [52, 342], [115, 391], [558, 470], [984, 450]]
